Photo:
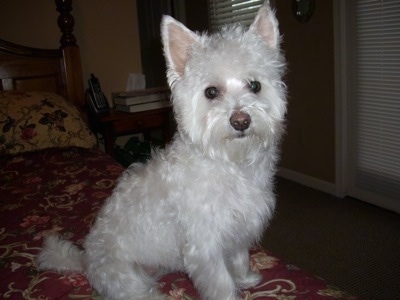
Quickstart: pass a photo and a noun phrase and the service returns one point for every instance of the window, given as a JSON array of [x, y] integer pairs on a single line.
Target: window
[[231, 11], [374, 122]]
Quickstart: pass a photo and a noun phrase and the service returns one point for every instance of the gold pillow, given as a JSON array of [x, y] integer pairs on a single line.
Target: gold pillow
[[31, 121]]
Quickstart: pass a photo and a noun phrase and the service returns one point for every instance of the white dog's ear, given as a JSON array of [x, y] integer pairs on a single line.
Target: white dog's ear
[[177, 41], [266, 25]]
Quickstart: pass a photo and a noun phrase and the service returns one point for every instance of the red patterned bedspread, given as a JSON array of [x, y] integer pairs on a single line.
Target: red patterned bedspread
[[61, 190]]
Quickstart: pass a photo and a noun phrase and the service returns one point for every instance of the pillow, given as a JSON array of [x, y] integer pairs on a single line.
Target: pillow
[[31, 121]]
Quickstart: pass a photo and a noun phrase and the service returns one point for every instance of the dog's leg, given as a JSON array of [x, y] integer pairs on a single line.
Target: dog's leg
[[209, 272], [244, 277], [117, 280]]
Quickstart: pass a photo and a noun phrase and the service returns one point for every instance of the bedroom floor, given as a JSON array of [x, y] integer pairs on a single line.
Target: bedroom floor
[[351, 244]]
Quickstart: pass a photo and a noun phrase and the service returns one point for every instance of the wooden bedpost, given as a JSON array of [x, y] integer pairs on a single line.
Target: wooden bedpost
[[70, 49]]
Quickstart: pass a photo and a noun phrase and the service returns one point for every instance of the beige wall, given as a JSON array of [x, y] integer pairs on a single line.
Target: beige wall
[[107, 33], [309, 144]]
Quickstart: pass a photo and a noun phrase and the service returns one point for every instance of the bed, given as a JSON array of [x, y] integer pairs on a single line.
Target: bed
[[54, 179]]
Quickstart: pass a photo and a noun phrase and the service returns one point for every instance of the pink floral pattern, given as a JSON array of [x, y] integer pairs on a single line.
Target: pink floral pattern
[[61, 190]]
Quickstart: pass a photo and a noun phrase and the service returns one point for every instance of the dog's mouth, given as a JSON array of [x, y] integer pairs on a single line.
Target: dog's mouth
[[238, 135]]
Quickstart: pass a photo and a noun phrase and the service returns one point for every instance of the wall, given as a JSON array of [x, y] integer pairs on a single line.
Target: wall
[[107, 33], [309, 144]]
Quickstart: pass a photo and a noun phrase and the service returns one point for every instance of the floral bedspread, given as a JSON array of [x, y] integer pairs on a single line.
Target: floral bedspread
[[61, 190]]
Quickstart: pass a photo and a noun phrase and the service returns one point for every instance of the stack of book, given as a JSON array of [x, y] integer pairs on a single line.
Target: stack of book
[[141, 100]]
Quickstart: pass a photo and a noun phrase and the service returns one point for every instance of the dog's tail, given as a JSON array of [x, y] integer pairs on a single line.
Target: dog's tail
[[60, 256]]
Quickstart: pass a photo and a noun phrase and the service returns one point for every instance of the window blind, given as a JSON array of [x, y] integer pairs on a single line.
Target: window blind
[[377, 138], [231, 11]]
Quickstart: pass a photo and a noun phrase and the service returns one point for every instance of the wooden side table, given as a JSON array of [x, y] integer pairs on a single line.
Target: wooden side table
[[115, 123]]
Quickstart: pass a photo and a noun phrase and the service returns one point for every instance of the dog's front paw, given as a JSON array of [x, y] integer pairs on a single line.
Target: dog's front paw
[[250, 280]]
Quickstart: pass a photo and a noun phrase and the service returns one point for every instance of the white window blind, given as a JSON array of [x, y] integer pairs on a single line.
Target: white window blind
[[377, 137], [224, 12]]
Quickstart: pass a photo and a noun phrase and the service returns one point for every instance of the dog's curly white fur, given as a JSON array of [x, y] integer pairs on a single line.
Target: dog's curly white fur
[[200, 204]]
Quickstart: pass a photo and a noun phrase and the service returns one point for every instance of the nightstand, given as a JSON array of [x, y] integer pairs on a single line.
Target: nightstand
[[114, 123]]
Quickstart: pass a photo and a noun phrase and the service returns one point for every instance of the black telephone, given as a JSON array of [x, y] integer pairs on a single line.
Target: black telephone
[[95, 97]]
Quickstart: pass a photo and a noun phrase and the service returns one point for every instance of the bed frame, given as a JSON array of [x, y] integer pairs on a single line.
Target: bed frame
[[52, 70]]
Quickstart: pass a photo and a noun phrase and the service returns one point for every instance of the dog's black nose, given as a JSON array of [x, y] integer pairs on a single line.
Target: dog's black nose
[[240, 120]]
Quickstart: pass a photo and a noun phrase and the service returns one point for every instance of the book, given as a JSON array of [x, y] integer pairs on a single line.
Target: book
[[140, 96], [140, 99], [143, 106]]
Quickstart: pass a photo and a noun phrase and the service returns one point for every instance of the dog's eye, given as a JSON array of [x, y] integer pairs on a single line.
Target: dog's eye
[[211, 92], [255, 86]]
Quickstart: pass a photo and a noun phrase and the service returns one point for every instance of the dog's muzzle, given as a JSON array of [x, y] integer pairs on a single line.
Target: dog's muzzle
[[240, 120]]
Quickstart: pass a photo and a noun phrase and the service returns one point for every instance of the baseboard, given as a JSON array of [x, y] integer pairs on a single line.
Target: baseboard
[[312, 182]]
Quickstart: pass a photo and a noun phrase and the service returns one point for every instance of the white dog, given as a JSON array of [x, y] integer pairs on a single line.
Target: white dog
[[200, 204]]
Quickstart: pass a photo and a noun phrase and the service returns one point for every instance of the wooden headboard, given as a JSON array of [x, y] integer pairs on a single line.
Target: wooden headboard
[[51, 70]]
